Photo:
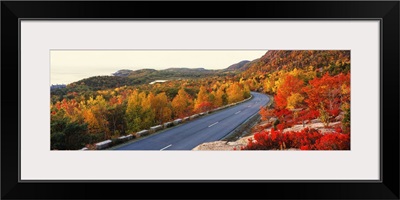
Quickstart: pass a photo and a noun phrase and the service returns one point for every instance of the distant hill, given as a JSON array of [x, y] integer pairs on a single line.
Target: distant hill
[[187, 69], [168, 72], [57, 86], [122, 72], [142, 76], [241, 66], [103, 82], [149, 75]]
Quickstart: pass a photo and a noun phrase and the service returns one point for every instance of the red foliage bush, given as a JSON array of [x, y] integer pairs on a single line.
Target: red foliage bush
[[334, 141], [334, 112], [282, 113], [280, 127], [306, 139], [204, 106]]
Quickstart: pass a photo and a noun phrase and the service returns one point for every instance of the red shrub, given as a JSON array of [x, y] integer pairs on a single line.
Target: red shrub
[[338, 129], [280, 127], [306, 139], [305, 148], [334, 112], [282, 113], [334, 141]]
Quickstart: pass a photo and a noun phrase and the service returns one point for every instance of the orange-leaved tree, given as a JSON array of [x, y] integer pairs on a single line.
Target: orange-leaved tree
[[289, 89], [182, 104], [202, 102], [327, 94]]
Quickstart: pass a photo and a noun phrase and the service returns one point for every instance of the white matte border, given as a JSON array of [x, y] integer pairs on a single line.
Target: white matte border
[[39, 163]]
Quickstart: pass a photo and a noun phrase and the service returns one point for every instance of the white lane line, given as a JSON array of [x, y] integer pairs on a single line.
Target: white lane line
[[166, 147], [237, 112], [213, 124]]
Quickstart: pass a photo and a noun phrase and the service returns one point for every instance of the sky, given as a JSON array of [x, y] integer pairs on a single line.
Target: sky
[[67, 66]]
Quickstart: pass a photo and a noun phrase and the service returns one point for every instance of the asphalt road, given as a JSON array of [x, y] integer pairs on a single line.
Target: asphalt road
[[211, 127]]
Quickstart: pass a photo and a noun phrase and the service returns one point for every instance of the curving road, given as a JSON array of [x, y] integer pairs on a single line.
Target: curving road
[[212, 127]]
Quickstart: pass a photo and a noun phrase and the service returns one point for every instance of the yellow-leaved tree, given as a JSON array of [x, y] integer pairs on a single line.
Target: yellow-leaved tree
[[220, 97], [94, 114], [182, 104], [134, 112], [234, 93], [294, 100], [202, 102], [162, 108]]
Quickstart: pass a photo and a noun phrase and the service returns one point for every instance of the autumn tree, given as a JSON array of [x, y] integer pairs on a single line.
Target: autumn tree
[[116, 117], [94, 114], [269, 83], [246, 91], [162, 108], [148, 112], [328, 91], [72, 109], [328, 94], [202, 96], [253, 84], [288, 89], [202, 102], [295, 100], [220, 97], [234, 93], [133, 112], [182, 104]]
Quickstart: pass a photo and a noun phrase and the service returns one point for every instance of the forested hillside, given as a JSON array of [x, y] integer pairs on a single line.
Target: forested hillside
[[331, 61]]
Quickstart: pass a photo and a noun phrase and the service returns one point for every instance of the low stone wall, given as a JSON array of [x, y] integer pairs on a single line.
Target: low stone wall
[[168, 124], [156, 128], [177, 121], [103, 145], [125, 137], [194, 116]]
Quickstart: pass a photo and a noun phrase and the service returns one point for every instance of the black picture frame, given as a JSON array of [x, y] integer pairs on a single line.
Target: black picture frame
[[386, 11]]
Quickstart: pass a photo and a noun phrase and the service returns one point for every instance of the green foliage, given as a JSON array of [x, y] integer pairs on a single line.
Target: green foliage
[[346, 118], [58, 122], [58, 140], [68, 135], [276, 122], [192, 91], [75, 135], [116, 117], [171, 92], [102, 82], [324, 115]]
